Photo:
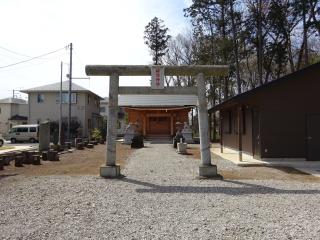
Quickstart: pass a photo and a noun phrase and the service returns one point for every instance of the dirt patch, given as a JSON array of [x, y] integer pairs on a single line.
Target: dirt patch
[[267, 173], [259, 172], [79, 162], [194, 152], [6, 147]]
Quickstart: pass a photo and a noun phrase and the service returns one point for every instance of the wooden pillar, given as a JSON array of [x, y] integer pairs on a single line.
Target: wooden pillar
[[171, 124], [221, 131], [210, 126], [111, 169], [240, 132], [206, 169], [144, 122], [192, 121]]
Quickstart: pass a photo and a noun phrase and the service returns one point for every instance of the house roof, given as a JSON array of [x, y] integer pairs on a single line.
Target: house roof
[[13, 100], [55, 87], [270, 85], [18, 117], [105, 100], [156, 100]]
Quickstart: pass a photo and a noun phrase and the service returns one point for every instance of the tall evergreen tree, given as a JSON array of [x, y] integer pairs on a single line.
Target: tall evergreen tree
[[156, 37]]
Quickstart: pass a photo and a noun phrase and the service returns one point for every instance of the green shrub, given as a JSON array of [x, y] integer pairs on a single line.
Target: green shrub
[[96, 134]]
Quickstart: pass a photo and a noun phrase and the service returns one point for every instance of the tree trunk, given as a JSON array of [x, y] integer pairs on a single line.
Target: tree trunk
[[235, 47], [224, 35], [305, 34], [290, 56], [260, 41]]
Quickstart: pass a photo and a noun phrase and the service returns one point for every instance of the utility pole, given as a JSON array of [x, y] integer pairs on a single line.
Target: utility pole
[[70, 88], [60, 112], [12, 93]]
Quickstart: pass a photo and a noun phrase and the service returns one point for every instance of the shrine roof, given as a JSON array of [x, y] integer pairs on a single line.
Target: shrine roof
[[157, 100]]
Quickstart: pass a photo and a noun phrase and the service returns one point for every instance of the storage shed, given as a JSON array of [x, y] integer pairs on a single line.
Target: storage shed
[[280, 119]]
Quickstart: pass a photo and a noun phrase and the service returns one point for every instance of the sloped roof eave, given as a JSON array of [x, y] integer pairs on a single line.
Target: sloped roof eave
[[157, 100]]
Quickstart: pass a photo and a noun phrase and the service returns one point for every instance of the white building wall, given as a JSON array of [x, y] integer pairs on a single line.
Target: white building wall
[[5, 114], [49, 109], [23, 110], [92, 111]]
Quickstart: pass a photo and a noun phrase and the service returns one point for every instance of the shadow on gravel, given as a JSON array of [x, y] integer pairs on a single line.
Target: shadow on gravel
[[246, 188], [7, 175]]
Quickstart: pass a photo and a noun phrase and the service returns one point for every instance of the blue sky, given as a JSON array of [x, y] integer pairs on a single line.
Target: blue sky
[[102, 32]]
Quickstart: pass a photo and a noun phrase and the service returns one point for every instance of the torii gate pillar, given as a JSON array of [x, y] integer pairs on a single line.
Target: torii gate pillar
[[111, 170], [206, 169]]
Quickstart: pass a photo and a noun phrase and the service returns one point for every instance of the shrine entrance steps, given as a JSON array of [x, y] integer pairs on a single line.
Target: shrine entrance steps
[[158, 138]]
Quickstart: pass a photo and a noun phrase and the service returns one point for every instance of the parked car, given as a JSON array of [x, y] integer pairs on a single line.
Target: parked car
[[24, 133], [1, 140]]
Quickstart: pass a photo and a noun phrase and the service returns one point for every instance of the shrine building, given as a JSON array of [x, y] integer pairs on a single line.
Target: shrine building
[[156, 115]]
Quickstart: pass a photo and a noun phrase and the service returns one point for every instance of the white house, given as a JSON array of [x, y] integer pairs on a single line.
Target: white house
[[121, 125], [104, 103], [44, 105], [13, 111]]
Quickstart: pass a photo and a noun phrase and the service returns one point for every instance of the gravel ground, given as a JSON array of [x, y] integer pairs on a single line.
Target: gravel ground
[[160, 198]]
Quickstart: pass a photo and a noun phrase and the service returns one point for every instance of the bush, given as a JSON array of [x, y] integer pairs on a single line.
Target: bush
[[103, 129], [54, 129], [96, 134]]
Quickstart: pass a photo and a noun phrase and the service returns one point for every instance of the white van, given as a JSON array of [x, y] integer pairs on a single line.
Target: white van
[[24, 133], [1, 140]]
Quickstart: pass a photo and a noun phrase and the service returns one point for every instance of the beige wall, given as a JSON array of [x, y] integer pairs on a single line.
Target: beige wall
[[49, 109], [7, 111], [23, 110], [4, 116], [93, 108]]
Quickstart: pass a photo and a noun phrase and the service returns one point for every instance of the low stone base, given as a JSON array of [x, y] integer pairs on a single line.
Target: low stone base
[[110, 171], [206, 171], [182, 148]]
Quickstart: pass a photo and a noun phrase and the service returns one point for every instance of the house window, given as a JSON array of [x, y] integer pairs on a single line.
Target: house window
[[65, 97], [102, 109], [40, 98], [89, 99]]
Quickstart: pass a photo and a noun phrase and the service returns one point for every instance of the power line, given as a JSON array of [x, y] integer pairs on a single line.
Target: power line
[[30, 59], [45, 60], [8, 50]]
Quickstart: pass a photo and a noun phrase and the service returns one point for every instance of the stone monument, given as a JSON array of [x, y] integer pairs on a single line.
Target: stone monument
[[181, 147], [44, 136], [187, 133], [179, 135], [129, 133]]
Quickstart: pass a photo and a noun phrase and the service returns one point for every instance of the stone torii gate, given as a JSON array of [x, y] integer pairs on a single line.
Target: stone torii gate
[[111, 170]]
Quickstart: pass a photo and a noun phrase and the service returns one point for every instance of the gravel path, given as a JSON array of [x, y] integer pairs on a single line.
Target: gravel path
[[160, 198]]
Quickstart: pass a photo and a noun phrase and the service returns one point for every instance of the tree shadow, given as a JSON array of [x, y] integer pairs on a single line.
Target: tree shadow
[[2, 176], [245, 189]]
